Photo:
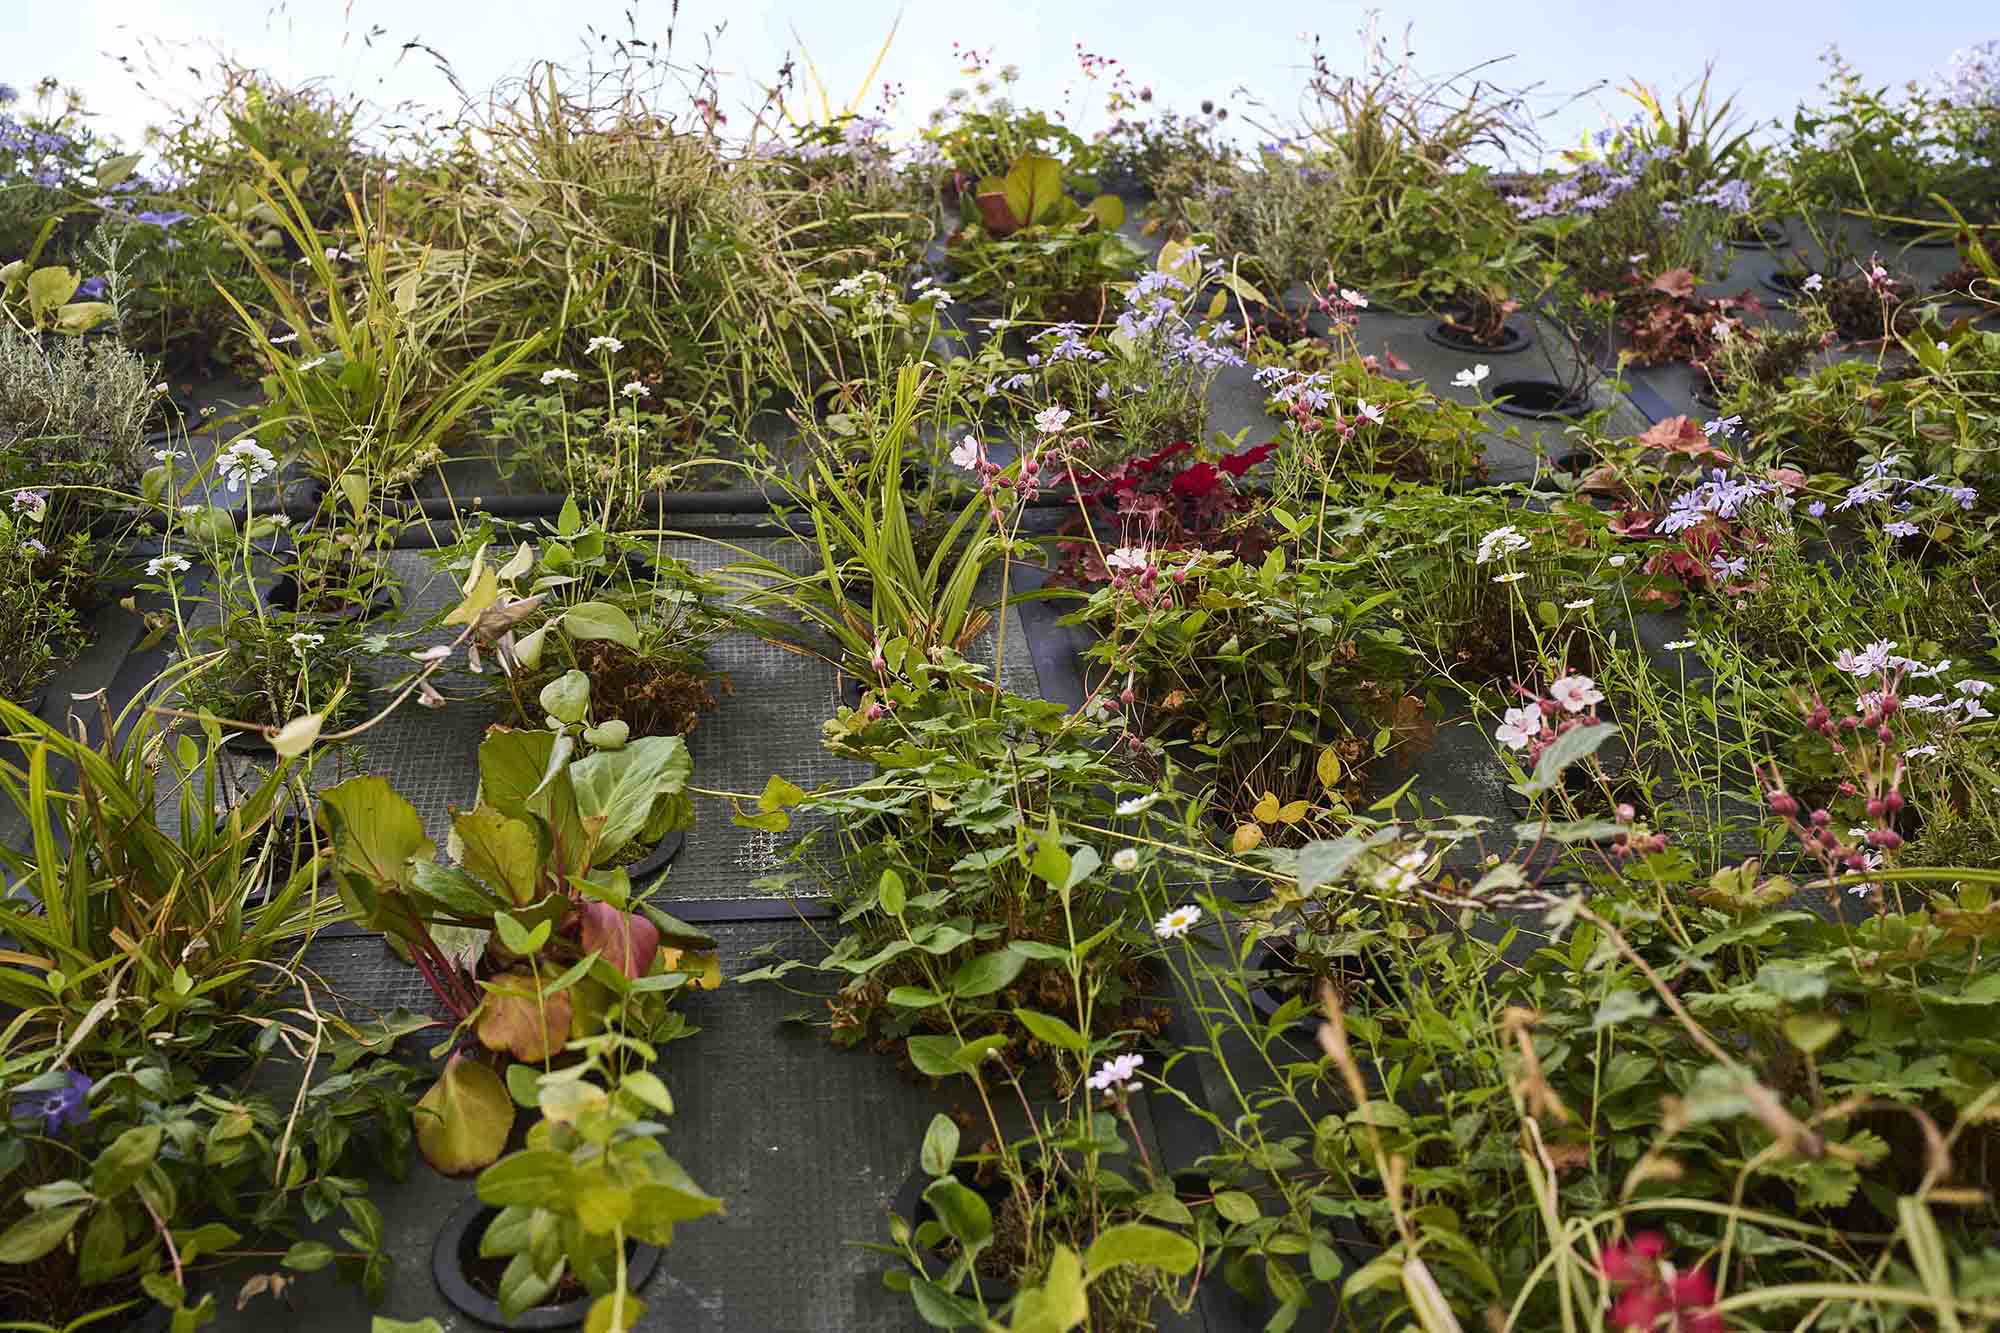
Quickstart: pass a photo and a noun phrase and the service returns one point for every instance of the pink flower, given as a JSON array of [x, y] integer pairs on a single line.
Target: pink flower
[[1519, 727], [1576, 693]]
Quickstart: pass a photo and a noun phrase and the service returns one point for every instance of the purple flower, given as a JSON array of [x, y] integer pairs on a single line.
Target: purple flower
[[58, 1108], [1731, 569], [1900, 528], [162, 220], [91, 288], [1817, 509]]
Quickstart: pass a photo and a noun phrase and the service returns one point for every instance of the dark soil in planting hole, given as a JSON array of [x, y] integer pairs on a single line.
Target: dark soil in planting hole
[[994, 1271], [1767, 236], [1287, 976], [653, 697], [472, 1283], [285, 597], [1784, 283], [1460, 338], [1539, 400]]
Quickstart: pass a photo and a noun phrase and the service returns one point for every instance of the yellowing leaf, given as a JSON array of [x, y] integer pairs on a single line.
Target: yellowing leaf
[[1266, 809], [1328, 768], [462, 1123], [1246, 838], [512, 1018], [1294, 812]]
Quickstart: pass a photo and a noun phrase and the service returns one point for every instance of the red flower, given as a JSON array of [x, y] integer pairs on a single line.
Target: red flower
[[1238, 464], [1197, 481]]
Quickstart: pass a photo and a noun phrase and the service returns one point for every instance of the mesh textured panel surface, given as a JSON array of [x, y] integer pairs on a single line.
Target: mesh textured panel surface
[[768, 722]]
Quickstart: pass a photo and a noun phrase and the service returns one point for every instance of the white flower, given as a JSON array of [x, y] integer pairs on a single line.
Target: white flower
[[167, 455], [1514, 577], [166, 564], [1870, 661], [1721, 330], [1576, 693], [436, 653], [1125, 859], [603, 343], [313, 364], [558, 376], [336, 254], [1617, 561], [1133, 559], [1138, 804], [1400, 875], [1579, 604], [1812, 283], [302, 642], [245, 463], [1518, 726], [284, 338], [1177, 922], [1371, 411], [1354, 298], [1117, 1073], [968, 454], [1920, 752], [1973, 688], [161, 387], [1944, 347], [636, 390], [1499, 542], [1639, 258], [1470, 379], [280, 520], [1051, 419], [1679, 644]]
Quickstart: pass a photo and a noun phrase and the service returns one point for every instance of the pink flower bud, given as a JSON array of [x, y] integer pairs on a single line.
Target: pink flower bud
[[1626, 813], [1783, 802], [1819, 818]]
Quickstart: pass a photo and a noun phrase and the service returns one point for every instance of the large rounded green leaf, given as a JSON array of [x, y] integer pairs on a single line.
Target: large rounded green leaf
[[462, 1123]]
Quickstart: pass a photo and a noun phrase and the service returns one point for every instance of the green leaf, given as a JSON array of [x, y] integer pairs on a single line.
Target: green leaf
[[621, 786], [1811, 1032], [1060, 1302], [940, 1146], [505, 853], [1053, 1031], [120, 1166], [38, 1233], [1236, 1206], [965, 1216], [1794, 983], [462, 1123], [375, 832], [1569, 748], [1033, 188], [308, 1256], [932, 1055], [1622, 1006], [1138, 1243], [567, 697], [531, 1178], [452, 890], [601, 620], [889, 892], [986, 974]]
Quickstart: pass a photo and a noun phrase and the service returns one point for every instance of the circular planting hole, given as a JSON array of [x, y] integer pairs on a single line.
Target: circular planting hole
[[1539, 400], [1768, 236], [1458, 338], [472, 1284], [911, 1206], [1286, 976], [1784, 282]]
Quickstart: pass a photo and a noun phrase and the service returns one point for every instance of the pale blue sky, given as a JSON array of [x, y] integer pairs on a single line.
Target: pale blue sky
[[1765, 52]]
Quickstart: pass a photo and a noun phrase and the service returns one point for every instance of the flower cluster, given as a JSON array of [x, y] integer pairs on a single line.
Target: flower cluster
[[1534, 726], [1652, 1295]]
